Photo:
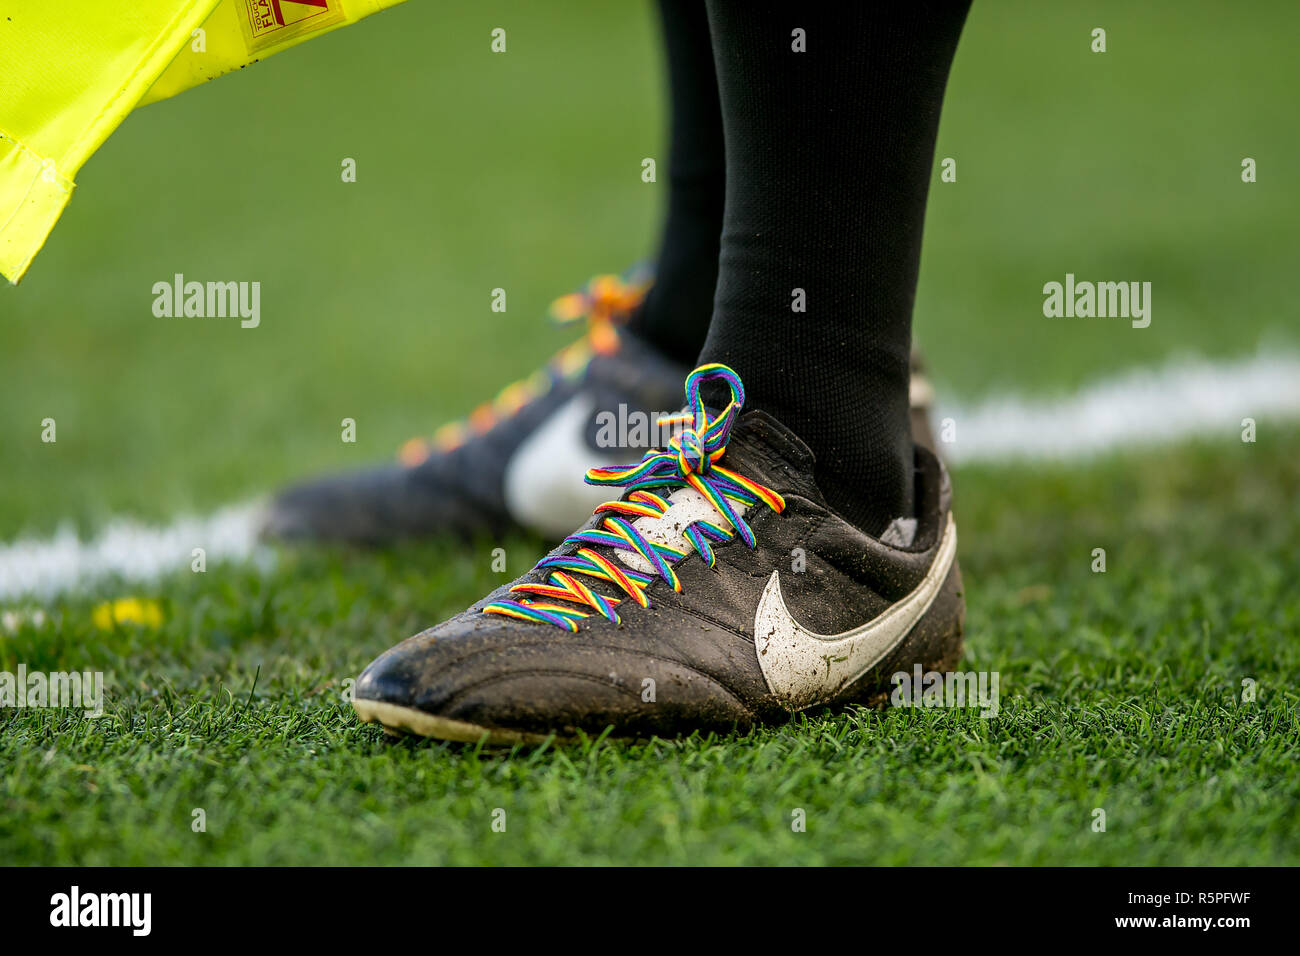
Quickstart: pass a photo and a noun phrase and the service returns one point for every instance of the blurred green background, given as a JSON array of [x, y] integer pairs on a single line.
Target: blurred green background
[[1121, 690], [522, 171]]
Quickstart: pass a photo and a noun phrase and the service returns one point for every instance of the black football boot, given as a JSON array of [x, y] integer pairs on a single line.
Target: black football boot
[[720, 592], [511, 464]]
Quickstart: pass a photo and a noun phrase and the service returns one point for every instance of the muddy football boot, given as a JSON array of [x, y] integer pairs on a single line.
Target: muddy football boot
[[719, 592], [509, 465]]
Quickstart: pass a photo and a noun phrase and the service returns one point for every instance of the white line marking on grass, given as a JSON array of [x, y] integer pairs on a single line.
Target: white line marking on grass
[[1139, 408], [1143, 407], [44, 568]]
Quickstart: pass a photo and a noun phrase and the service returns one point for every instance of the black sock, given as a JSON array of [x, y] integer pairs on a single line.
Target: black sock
[[829, 155], [675, 315]]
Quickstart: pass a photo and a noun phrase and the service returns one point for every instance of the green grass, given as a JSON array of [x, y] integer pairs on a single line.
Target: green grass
[[1121, 691], [522, 171]]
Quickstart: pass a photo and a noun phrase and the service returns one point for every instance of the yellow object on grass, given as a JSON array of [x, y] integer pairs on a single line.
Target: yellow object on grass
[[141, 612], [71, 71]]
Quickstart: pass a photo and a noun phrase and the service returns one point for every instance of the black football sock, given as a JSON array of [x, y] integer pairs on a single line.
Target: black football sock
[[675, 315], [829, 155]]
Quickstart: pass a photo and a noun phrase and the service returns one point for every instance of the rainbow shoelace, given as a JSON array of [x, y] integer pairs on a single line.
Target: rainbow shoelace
[[689, 461], [605, 303]]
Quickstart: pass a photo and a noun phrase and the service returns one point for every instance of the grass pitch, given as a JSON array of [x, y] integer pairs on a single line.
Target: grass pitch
[[1121, 691]]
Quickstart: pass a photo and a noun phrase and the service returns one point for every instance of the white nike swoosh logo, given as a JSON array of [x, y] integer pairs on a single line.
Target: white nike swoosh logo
[[803, 668], [543, 483]]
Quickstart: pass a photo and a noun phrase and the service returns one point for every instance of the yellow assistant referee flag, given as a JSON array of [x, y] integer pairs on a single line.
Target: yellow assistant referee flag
[[71, 70]]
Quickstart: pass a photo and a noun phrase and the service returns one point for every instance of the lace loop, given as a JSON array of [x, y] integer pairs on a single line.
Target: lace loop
[[690, 461], [605, 302]]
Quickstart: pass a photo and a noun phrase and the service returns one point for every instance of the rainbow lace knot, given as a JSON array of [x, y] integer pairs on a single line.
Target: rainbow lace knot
[[605, 302], [689, 461]]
